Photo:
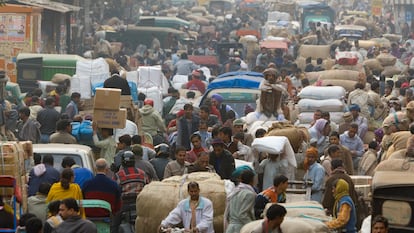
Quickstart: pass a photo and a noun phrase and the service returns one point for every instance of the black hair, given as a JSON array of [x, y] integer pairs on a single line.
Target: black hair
[[37, 158], [381, 219], [192, 184], [226, 131], [332, 149], [180, 148], [71, 203], [44, 188], [373, 145], [205, 108], [260, 133], [53, 207], [25, 111], [24, 218], [334, 134], [75, 95], [48, 159], [275, 211], [34, 225], [50, 100], [125, 139], [66, 178], [335, 163], [62, 124], [279, 180], [136, 139], [247, 176], [68, 162]]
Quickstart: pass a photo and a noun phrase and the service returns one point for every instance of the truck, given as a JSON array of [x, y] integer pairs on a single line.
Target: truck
[[313, 11]]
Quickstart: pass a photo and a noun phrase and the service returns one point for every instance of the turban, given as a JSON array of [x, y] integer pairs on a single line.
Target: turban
[[312, 151], [217, 97]]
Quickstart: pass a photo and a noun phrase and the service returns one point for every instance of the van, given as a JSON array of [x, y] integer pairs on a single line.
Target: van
[[82, 155], [32, 67], [392, 197]]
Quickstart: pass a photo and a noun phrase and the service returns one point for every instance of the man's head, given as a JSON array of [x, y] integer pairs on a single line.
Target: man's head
[[334, 151], [311, 155], [238, 125], [354, 109], [379, 224], [48, 159], [193, 190], [149, 102], [336, 163], [68, 208], [68, 162], [317, 115], [280, 182], [196, 140], [50, 101], [203, 159], [260, 133], [203, 126], [24, 113], [101, 165], [124, 141], [373, 145], [247, 177], [137, 150], [34, 225], [128, 159], [180, 153], [188, 111], [225, 134], [204, 112], [64, 126], [44, 188], [216, 99], [353, 130], [275, 215], [334, 138], [75, 97], [218, 146]]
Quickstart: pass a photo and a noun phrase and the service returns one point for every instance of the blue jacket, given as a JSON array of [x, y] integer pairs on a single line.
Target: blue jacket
[[350, 227], [51, 176]]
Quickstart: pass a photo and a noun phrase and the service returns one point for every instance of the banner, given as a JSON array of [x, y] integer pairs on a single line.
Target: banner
[[376, 7], [12, 27]]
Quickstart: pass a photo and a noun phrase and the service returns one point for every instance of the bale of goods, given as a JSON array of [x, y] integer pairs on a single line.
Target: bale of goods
[[307, 117], [386, 59], [322, 93], [392, 37], [312, 209], [395, 165], [348, 85], [369, 137], [292, 225], [381, 42], [366, 44], [358, 67], [373, 64], [293, 134], [399, 154], [390, 71], [340, 75], [315, 51], [60, 78], [328, 105], [399, 139], [168, 194], [312, 39]]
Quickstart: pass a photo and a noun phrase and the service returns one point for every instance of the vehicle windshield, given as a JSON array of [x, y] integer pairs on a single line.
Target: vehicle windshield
[[58, 157]]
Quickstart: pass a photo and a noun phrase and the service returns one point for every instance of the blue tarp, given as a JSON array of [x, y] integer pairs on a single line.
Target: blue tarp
[[249, 80]]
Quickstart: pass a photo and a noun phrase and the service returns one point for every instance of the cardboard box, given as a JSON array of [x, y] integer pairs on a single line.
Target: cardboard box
[[110, 118], [126, 101], [107, 99]]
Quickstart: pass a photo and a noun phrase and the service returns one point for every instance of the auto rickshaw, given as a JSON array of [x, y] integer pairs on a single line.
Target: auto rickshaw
[[392, 197], [350, 32]]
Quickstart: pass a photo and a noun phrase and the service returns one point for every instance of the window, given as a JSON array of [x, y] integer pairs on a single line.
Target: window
[[397, 212]]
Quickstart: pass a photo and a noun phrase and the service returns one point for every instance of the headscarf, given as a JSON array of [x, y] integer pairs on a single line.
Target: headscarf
[[319, 126], [218, 98], [341, 190], [354, 107], [310, 151]]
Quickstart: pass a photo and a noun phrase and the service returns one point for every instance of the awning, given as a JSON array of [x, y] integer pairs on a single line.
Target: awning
[[404, 2], [49, 5]]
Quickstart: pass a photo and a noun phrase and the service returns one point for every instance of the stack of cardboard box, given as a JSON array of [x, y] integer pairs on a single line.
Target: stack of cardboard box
[[106, 110], [13, 157]]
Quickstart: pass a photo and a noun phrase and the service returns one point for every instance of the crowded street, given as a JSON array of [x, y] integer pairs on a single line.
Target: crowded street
[[203, 116]]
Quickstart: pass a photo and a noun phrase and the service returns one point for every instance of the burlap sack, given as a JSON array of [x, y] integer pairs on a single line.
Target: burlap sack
[[366, 44], [349, 75], [309, 39], [373, 64], [396, 165], [381, 42], [392, 37], [358, 67], [369, 137], [390, 71], [400, 154], [294, 135], [348, 85], [157, 199], [399, 139], [292, 225], [60, 78], [315, 51], [386, 59], [312, 209]]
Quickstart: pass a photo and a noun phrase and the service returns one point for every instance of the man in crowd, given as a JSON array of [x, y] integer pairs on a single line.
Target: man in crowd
[[73, 222], [177, 167], [82, 174], [274, 218], [28, 129], [354, 143], [315, 173], [63, 134], [221, 159], [195, 212], [46, 174], [202, 164], [143, 164], [187, 125], [274, 194], [48, 117], [72, 109]]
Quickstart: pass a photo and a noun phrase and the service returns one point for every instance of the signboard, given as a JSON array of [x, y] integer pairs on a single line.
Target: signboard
[[12, 27], [376, 7]]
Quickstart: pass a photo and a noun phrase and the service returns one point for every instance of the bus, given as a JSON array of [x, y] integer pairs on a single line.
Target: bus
[[313, 11]]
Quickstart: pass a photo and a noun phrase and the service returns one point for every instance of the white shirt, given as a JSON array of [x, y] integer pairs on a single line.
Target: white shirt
[[130, 129]]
